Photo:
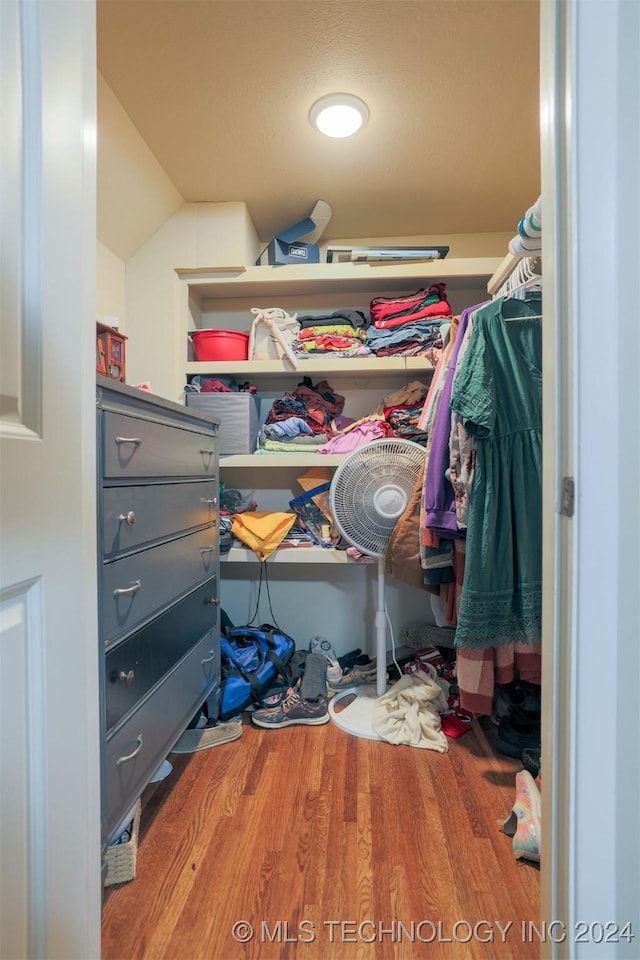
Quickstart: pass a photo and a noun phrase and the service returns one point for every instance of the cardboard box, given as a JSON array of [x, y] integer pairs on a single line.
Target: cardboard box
[[298, 243]]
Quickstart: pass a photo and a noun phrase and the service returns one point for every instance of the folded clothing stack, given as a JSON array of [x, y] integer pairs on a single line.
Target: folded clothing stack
[[408, 325], [341, 334]]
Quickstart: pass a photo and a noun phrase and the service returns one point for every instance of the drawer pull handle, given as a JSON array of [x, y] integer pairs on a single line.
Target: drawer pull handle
[[213, 501], [207, 549], [134, 752], [127, 677], [214, 600], [127, 591], [129, 518], [208, 659], [135, 440], [208, 453]]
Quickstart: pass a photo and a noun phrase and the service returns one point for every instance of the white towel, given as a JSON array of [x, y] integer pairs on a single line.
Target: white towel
[[409, 712]]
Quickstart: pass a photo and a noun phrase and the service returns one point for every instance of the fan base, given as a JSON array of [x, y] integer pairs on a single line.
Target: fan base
[[352, 709]]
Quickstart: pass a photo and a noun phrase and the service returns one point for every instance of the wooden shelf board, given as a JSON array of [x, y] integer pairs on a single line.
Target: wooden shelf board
[[290, 555], [353, 368], [258, 282], [295, 460]]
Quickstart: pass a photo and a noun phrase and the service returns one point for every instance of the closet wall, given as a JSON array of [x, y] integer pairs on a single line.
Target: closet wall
[[215, 235]]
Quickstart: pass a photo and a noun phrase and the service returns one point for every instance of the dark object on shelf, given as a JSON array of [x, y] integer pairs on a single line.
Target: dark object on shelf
[[299, 242]]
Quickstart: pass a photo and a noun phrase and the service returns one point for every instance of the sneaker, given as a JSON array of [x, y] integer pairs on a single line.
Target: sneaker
[[323, 647], [526, 809], [357, 676], [292, 710]]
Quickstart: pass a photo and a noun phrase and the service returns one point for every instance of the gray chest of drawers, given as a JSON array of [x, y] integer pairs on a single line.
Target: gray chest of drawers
[[158, 584]]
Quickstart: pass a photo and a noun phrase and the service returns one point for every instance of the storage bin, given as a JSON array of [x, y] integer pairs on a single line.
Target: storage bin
[[220, 344], [238, 415], [121, 857]]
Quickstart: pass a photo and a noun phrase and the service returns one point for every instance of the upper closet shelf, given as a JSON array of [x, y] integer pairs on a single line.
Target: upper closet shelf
[[262, 283]]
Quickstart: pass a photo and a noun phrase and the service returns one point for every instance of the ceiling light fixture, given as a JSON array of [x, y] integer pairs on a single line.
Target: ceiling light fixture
[[339, 114]]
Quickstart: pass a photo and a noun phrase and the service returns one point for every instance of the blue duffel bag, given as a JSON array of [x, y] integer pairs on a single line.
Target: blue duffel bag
[[254, 663]]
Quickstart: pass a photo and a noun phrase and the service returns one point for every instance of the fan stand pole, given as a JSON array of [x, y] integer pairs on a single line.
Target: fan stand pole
[[352, 709], [381, 634]]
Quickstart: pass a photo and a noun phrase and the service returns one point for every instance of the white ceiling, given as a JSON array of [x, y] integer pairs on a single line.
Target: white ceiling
[[220, 91]]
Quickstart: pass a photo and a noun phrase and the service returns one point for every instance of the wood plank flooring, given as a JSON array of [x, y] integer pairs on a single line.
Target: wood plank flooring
[[327, 846]]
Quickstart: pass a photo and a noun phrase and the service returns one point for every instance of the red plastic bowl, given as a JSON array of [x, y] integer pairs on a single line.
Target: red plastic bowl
[[220, 344]]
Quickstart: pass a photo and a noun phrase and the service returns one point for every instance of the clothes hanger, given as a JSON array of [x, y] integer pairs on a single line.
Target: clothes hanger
[[523, 278]]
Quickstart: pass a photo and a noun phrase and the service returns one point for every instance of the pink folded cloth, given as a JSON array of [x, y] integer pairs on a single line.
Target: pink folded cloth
[[357, 437]]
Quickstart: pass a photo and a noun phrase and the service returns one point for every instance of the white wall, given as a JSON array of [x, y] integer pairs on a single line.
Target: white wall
[[199, 235], [135, 196], [111, 286]]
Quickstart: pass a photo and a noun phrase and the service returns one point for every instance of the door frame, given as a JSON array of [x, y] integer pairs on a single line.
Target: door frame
[[590, 156]]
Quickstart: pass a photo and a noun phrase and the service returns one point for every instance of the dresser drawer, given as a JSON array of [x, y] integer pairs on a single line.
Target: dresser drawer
[[135, 750], [141, 448], [136, 665], [139, 586], [139, 515]]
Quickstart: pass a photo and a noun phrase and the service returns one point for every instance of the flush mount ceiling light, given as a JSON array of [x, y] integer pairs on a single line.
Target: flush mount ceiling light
[[339, 114]]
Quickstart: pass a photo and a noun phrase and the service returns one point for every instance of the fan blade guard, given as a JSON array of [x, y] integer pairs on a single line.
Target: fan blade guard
[[370, 491]]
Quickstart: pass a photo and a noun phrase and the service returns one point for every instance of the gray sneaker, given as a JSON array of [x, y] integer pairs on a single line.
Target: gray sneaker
[[292, 710], [357, 676]]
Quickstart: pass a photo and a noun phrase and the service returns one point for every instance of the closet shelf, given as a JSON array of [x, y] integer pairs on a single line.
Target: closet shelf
[[326, 278], [297, 460], [356, 367], [291, 555]]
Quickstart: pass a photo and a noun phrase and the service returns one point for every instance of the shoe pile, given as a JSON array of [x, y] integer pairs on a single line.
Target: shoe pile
[[517, 713]]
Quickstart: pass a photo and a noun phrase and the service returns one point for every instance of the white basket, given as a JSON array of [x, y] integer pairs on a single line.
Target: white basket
[[121, 857]]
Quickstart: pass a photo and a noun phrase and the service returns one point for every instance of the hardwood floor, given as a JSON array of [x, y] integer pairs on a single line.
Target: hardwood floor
[[327, 847]]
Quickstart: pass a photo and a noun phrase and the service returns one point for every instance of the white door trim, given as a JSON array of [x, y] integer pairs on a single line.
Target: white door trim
[[590, 127]]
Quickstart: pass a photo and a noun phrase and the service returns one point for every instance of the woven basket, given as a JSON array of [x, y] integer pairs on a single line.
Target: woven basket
[[121, 857]]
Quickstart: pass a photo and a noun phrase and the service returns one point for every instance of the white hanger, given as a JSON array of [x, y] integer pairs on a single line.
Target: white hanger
[[523, 277]]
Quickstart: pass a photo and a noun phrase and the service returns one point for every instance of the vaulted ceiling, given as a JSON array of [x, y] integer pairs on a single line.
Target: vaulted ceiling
[[220, 91]]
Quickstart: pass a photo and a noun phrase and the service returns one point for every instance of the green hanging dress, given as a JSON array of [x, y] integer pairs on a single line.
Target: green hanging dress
[[498, 393]]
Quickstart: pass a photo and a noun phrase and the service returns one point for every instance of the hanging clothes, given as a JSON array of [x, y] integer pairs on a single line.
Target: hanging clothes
[[462, 450], [440, 508], [498, 394]]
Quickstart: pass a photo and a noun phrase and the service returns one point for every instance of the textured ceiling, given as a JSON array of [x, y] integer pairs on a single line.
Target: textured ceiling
[[220, 91]]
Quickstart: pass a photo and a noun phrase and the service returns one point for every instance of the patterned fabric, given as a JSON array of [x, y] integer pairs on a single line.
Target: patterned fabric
[[479, 670]]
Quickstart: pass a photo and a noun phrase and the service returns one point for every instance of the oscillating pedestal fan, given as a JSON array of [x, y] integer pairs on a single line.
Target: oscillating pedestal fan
[[369, 493]]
